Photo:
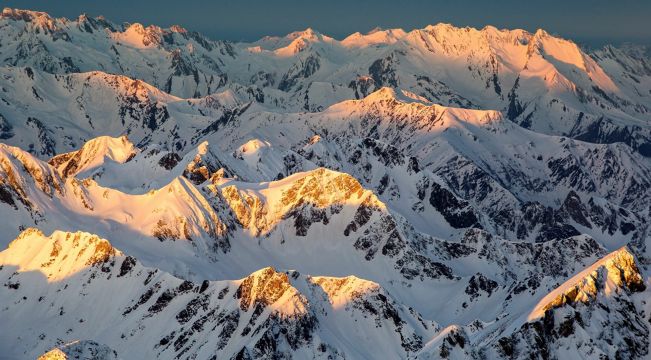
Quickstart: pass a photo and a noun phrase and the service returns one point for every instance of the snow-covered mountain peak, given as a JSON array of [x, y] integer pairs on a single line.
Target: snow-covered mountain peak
[[610, 275], [178, 29], [268, 287], [341, 291], [20, 171], [137, 36], [93, 155], [253, 152], [300, 41], [413, 109], [37, 22], [598, 302], [252, 145], [440, 27], [377, 36], [203, 148], [80, 350], [558, 49], [59, 255], [455, 38], [445, 34], [26, 15], [321, 187], [308, 33], [393, 94]]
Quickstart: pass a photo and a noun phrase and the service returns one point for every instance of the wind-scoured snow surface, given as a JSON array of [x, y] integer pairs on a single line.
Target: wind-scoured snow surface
[[439, 193]]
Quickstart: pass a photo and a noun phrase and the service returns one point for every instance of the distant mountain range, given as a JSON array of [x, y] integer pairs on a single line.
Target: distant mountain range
[[442, 193]]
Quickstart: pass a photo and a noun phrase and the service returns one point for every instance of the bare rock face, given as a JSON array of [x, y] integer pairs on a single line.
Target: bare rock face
[[263, 288], [457, 213]]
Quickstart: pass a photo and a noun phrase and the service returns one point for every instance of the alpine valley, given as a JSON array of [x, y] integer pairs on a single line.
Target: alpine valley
[[442, 193]]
